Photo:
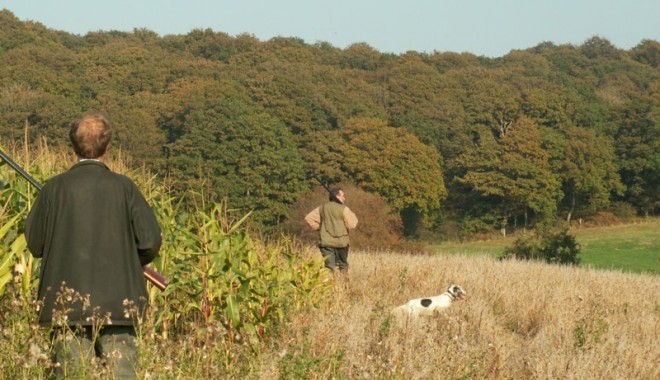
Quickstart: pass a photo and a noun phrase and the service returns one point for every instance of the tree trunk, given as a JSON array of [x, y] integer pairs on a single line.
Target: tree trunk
[[570, 212], [503, 227]]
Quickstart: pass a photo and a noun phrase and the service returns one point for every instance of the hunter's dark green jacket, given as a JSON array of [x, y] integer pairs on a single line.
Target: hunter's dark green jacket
[[93, 231]]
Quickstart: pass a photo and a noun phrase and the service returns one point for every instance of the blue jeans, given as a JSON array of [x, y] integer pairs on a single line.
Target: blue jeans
[[335, 257], [75, 348]]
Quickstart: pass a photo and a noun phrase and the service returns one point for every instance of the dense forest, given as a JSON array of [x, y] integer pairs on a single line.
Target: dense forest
[[443, 138]]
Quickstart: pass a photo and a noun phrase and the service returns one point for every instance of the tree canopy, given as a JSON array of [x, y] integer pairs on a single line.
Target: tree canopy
[[550, 130]]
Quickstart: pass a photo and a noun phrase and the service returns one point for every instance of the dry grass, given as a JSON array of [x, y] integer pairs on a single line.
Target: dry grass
[[524, 320]]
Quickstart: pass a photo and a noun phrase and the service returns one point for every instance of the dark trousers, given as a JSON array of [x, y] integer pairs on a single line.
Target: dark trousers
[[335, 258], [75, 349]]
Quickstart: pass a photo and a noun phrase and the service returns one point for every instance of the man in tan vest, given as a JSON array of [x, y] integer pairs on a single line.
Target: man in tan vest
[[333, 220]]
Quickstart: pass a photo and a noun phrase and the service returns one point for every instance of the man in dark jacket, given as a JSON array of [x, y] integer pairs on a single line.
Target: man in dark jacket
[[93, 231]]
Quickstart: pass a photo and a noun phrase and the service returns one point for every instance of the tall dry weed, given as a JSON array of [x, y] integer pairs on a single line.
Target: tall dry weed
[[523, 320]]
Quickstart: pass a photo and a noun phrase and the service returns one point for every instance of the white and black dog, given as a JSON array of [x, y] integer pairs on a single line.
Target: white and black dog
[[429, 305]]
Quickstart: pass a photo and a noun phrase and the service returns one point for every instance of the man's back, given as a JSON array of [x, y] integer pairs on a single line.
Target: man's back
[[333, 231], [88, 225]]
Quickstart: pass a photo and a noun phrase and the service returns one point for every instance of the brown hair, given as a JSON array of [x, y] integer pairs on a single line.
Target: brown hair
[[334, 193], [90, 135]]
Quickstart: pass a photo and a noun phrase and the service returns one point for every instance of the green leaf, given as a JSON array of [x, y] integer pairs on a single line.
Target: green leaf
[[5, 264], [232, 311], [239, 223], [19, 245], [5, 228], [4, 279]]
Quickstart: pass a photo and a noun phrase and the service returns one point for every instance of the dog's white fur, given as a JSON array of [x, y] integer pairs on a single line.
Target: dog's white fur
[[429, 305]]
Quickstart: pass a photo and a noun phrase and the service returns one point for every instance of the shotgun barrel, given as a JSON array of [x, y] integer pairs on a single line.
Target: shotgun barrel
[[157, 279]]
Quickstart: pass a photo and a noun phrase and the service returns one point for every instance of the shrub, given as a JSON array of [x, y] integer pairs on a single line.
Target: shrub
[[623, 210], [602, 218], [477, 228], [553, 245], [560, 247]]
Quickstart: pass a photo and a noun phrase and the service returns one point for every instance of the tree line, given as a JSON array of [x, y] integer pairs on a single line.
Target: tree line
[[444, 138]]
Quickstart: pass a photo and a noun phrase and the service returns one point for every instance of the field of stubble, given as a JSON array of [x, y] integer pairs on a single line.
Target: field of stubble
[[523, 320]]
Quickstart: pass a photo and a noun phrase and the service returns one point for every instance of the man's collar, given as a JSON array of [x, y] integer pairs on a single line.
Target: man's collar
[[86, 162]]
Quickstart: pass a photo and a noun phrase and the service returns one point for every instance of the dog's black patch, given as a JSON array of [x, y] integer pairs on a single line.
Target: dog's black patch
[[426, 302]]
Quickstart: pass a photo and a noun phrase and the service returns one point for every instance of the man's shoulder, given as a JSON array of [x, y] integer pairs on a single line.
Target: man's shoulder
[[93, 171], [334, 204], [122, 178], [56, 181]]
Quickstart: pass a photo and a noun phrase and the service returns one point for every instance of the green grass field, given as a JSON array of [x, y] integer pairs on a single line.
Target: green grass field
[[631, 247]]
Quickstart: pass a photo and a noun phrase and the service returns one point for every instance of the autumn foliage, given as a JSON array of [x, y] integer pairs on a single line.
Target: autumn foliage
[[442, 138], [378, 226]]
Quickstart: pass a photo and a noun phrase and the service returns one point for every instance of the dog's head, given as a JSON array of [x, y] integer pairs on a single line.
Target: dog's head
[[457, 292]]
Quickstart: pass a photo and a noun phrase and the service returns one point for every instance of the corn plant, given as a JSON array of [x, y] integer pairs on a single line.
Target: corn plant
[[219, 274], [16, 198], [8, 258]]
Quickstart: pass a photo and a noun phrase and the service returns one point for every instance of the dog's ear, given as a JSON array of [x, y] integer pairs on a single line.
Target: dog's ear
[[456, 290]]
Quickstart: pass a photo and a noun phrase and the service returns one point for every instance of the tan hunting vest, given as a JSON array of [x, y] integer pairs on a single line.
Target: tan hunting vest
[[334, 233]]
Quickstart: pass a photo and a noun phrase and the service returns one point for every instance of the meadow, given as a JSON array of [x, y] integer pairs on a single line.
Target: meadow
[[633, 246]]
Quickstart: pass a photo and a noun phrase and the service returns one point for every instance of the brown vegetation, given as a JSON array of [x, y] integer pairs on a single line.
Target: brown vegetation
[[379, 227], [602, 218], [524, 320]]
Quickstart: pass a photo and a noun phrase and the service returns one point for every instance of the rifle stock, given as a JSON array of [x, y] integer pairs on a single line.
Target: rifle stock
[[157, 279]]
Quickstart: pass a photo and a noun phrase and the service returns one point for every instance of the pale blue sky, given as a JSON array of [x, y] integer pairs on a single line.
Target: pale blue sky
[[483, 27]]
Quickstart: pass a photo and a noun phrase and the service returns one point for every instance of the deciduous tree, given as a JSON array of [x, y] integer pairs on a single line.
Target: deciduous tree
[[511, 172]]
